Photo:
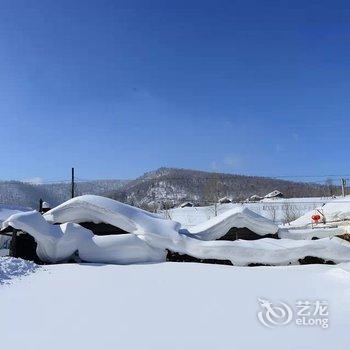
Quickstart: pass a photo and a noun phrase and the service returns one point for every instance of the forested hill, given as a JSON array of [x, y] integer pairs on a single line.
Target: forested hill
[[165, 186]]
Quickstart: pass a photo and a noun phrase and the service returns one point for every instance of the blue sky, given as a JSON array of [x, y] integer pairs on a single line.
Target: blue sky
[[117, 88]]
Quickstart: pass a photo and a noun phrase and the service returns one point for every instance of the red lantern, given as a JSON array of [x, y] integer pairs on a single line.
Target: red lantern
[[316, 218]]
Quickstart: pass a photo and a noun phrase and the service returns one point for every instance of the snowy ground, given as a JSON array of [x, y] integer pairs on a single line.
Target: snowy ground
[[169, 306], [13, 268]]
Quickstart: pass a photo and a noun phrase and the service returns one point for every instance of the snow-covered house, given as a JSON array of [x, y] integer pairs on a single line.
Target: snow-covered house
[[187, 205], [274, 194], [225, 200]]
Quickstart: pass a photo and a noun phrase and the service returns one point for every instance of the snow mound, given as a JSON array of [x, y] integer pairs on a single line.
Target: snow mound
[[267, 251], [238, 217], [310, 233], [11, 268]]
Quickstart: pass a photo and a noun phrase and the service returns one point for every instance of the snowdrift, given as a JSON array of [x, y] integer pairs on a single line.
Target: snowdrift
[[312, 233]]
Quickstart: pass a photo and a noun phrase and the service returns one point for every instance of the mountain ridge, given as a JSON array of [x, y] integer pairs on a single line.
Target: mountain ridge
[[162, 187]]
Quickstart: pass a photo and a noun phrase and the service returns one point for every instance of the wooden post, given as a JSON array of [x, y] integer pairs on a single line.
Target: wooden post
[[73, 185], [13, 244]]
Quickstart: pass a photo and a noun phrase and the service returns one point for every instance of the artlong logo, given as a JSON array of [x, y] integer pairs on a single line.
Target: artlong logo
[[274, 315], [308, 313]]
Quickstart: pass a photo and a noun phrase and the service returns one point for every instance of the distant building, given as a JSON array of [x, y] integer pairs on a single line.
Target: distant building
[[225, 200], [254, 198], [186, 205], [274, 194]]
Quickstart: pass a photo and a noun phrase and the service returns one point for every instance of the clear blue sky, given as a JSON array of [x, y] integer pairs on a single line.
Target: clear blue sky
[[117, 88]]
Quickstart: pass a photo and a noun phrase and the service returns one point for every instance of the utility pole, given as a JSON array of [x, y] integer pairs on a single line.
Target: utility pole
[[73, 185], [343, 184], [40, 205]]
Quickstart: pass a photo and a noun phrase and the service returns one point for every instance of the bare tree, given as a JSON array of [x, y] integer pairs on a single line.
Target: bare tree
[[290, 213], [272, 210], [330, 186]]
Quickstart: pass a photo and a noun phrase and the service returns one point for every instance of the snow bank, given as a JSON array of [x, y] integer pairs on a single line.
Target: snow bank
[[264, 251], [237, 217], [310, 233], [13, 268]]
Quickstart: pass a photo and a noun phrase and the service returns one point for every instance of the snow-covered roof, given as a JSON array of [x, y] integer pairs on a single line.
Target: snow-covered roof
[[91, 208], [273, 194], [186, 204], [237, 217], [7, 210], [46, 205]]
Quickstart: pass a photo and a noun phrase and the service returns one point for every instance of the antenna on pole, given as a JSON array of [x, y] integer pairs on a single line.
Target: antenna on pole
[[73, 185]]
